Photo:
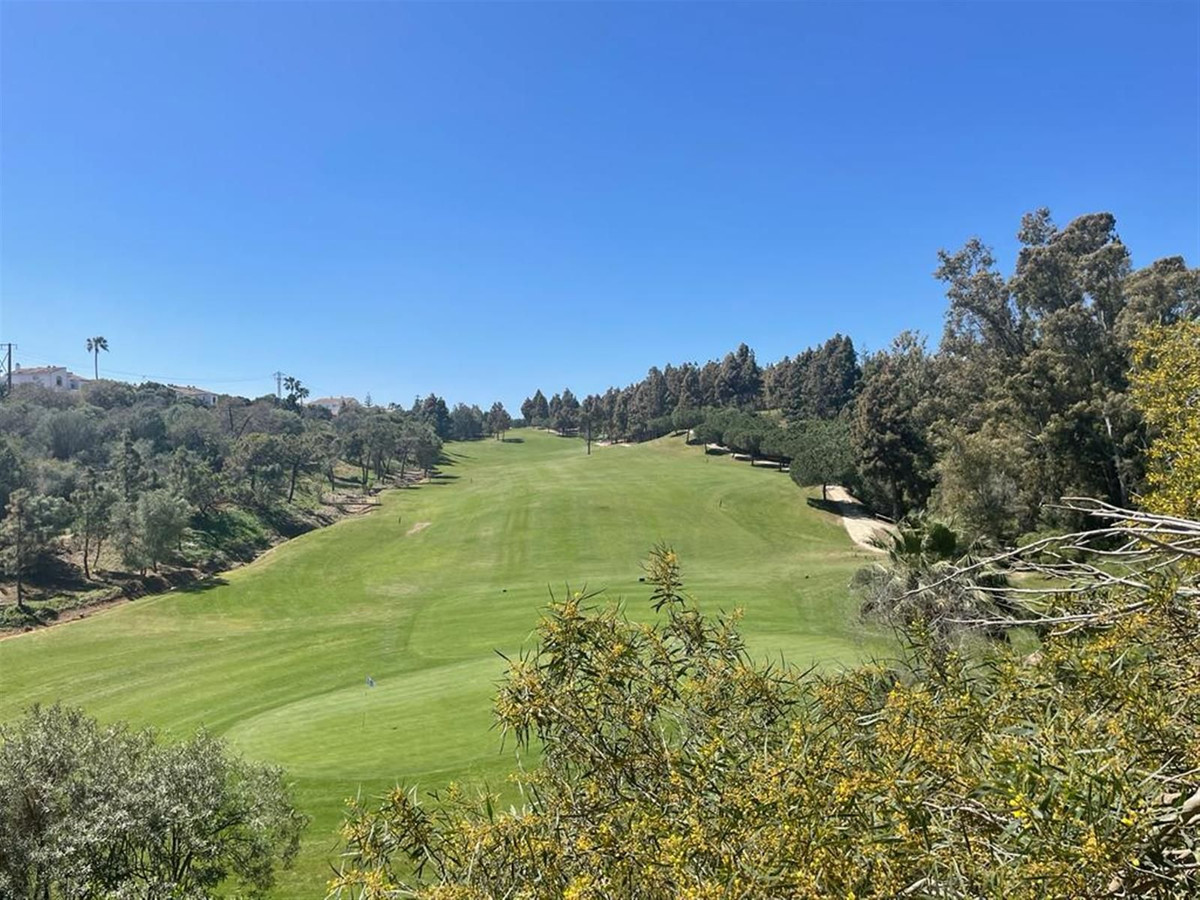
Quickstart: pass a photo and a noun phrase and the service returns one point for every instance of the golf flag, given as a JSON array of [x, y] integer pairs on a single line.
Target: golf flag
[[370, 681]]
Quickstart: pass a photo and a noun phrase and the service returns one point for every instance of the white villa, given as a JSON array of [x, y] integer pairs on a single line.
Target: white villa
[[334, 404], [54, 378], [200, 395]]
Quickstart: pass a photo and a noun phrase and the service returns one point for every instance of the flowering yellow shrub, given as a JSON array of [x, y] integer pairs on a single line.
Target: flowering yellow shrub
[[1166, 387], [674, 765]]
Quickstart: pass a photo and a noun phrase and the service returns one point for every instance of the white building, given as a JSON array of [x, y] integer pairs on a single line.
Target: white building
[[54, 378], [334, 404], [200, 395]]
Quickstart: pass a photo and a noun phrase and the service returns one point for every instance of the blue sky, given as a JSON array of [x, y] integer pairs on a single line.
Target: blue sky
[[484, 199]]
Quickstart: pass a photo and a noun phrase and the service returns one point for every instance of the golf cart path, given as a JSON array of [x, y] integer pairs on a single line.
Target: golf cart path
[[859, 524]]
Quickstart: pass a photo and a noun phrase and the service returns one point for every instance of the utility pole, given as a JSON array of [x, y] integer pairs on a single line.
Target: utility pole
[[278, 385], [8, 349]]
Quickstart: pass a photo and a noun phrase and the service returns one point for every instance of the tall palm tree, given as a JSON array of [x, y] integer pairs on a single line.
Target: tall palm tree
[[94, 346]]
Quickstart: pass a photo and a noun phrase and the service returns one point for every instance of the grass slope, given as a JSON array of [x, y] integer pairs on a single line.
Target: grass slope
[[276, 659]]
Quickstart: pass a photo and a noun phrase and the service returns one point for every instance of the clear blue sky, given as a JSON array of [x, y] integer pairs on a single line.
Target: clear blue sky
[[484, 199]]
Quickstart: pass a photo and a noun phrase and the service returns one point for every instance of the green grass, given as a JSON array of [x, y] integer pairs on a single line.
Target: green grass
[[276, 658]]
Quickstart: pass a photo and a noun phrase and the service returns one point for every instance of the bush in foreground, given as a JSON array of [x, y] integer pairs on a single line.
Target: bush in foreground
[[674, 765], [92, 812]]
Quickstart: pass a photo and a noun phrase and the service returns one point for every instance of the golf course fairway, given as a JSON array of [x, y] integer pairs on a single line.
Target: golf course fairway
[[419, 594]]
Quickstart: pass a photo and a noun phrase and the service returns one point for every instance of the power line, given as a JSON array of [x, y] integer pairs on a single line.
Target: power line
[[41, 356], [180, 379]]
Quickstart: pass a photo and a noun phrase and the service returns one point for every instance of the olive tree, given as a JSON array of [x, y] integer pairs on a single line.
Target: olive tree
[[90, 812]]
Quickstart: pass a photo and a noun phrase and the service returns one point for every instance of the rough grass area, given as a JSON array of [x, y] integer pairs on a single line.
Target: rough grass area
[[214, 541], [275, 655]]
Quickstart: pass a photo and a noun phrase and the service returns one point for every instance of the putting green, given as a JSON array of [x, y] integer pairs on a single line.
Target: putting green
[[276, 659]]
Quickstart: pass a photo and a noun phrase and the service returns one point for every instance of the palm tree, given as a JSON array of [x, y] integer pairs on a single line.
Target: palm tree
[[296, 391], [94, 346]]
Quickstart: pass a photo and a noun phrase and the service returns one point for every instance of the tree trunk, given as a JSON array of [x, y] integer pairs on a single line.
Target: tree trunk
[[20, 549], [1116, 458], [86, 547], [824, 493], [292, 485]]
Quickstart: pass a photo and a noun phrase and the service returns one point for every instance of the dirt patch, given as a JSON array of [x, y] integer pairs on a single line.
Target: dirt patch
[[858, 522], [420, 526]]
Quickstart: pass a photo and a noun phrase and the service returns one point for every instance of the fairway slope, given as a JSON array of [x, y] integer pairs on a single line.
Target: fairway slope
[[420, 594]]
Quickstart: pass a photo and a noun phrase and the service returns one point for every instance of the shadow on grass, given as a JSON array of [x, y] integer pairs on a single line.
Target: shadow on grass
[[200, 585], [829, 506], [842, 508], [512, 440]]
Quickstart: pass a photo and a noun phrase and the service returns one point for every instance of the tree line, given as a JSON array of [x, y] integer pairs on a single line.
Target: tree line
[[124, 477], [1026, 398]]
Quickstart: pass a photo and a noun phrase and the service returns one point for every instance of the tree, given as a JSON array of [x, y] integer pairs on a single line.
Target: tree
[[981, 483], [12, 471], [130, 473], [776, 443], [356, 449], [94, 346], [498, 420], [28, 532], [191, 477], [1043, 356], [1166, 388], [890, 429], [739, 381], [325, 455], [300, 454], [427, 451], [536, 410], [565, 414], [821, 453], [94, 503], [68, 433], [162, 518], [147, 531], [589, 418], [832, 377], [434, 411], [296, 392], [413, 434], [259, 459], [685, 418], [466, 422], [689, 396], [97, 812]]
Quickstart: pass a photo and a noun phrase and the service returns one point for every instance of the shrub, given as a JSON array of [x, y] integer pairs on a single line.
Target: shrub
[[674, 765], [96, 812]]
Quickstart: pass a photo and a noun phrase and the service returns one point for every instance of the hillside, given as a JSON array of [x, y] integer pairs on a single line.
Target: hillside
[[419, 595]]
